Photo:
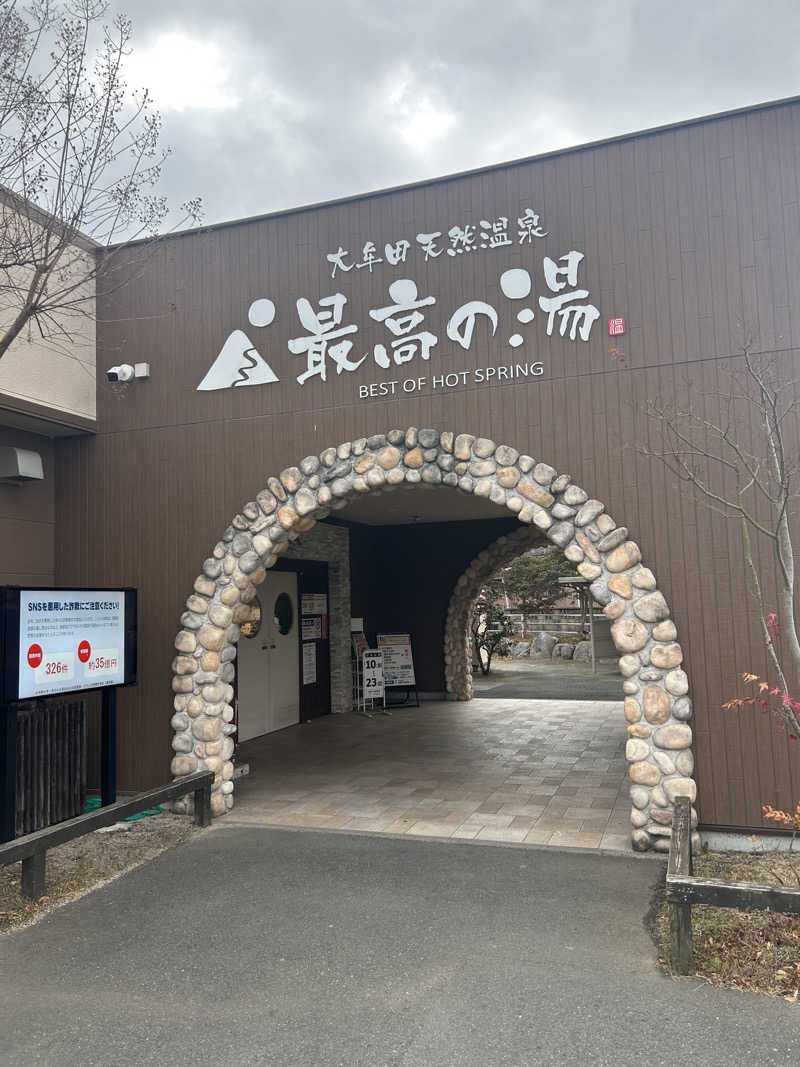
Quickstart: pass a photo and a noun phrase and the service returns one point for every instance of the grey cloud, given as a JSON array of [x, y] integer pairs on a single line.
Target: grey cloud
[[315, 119]]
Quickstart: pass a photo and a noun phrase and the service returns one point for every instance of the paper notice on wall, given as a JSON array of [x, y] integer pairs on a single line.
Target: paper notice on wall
[[314, 604], [312, 627], [398, 663], [309, 663]]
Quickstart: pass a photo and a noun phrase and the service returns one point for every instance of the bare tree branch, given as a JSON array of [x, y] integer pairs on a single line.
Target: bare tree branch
[[79, 160], [752, 482]]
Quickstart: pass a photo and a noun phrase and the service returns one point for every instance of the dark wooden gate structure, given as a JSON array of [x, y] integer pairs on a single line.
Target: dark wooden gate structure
[[51, 763]]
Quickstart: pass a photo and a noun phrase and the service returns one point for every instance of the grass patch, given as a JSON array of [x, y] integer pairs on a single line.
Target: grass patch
[[79, 866], [754, 950]]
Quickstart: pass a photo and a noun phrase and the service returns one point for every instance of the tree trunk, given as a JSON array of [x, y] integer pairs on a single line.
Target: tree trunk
[[786, 596]]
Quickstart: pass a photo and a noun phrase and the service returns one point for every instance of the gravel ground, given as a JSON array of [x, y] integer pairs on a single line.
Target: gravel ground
[[754, 950], [79, 866]]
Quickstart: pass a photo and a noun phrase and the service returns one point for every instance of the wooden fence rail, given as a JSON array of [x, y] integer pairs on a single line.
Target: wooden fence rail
[[32, 848], [684, 890]]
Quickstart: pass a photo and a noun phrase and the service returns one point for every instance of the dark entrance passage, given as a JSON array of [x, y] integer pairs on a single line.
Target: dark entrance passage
[[541, 764]]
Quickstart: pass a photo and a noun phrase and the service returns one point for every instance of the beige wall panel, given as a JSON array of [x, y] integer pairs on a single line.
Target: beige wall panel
[[56, 371]]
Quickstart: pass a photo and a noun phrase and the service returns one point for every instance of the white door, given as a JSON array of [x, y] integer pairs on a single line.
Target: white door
[[268, 672]]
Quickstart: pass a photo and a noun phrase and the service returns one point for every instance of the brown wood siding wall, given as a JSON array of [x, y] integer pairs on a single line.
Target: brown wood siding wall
[[687, 233]]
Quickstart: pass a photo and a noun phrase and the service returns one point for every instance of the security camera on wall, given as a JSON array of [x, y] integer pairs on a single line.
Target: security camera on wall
[[123, 373], [126, 373]]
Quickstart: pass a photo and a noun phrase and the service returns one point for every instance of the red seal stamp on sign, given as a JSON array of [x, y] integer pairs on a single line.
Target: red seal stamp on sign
[[616, 327], [34, 656], [84, 651]]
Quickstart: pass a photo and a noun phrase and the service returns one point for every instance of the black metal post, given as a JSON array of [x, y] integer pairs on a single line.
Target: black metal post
[[8, 772], [108, 748]]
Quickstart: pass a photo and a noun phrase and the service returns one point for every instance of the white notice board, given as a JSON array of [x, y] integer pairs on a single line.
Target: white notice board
[[372, 674], [309, 663], [398, 662]]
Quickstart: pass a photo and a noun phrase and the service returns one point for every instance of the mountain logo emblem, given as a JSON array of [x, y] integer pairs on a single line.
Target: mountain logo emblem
[[239, 363]]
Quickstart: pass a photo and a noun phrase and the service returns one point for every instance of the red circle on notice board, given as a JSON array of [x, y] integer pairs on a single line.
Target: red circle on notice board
[[84, 651], [34, 655]]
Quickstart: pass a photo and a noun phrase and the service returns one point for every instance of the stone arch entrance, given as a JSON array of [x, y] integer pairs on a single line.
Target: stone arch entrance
[[457, 645], [657, 708]]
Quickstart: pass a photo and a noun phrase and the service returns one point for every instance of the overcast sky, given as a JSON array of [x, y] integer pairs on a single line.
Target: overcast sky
[[269, 104]]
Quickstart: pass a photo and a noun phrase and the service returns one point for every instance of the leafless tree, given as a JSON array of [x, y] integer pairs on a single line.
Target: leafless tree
[[750, 476], [79, 157], [490, 629]]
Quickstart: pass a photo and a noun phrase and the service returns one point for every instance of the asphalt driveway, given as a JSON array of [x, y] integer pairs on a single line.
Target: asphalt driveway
[[286, 947]]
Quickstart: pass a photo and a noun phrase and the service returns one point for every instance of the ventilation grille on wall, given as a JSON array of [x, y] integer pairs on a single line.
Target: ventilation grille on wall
[[18, 465]]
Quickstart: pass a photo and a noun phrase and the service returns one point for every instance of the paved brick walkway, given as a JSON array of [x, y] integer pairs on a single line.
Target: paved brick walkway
[[542, 772]]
